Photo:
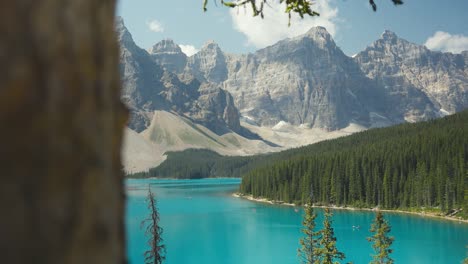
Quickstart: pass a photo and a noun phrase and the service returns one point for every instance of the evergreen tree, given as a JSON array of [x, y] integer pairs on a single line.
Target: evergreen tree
[[409, 166], [309, 243], [157, 252], [466, 260], [328, 251], [381, 240], [465, 199]]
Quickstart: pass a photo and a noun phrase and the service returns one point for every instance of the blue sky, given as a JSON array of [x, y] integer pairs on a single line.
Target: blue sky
[[439, 25]]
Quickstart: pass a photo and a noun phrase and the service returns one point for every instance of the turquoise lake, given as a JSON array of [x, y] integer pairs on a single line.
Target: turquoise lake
[[203, 223]]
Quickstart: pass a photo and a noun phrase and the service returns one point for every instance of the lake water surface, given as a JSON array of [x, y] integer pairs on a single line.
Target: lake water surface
[[204, 224]]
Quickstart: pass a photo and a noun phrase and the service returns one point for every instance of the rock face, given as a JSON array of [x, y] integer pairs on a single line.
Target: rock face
[[213, 105], [169, 55], [309, 80], [141, 79], [304, 80], [209, 64], [150, 85], [292, 93], [418, 82]]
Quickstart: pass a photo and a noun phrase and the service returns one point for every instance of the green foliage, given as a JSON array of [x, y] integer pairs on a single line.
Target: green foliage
[[157, 252], [202, 163], [465, 261], [300, 7], [421, 166], [309, 243], [381, 241], [464, 212], [409, 166], [327, 251], [374, 6], [191, 164], [199, 163]]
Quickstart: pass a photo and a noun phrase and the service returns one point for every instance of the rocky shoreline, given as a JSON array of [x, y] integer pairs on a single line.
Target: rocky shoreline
[[423, 214]]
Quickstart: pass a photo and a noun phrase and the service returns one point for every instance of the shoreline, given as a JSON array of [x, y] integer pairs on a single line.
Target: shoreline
[[422, 214]]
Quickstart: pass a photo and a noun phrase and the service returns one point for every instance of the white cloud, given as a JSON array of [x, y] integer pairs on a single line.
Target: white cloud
[[155, 26], [189, 50], [447, 42], [274, 27]]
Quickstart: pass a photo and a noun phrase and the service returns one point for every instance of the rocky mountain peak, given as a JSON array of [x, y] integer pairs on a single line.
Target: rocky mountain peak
[[149, 83], [314, 45], [389, 35], [209, 63], [393, 46], [318, 32], [211, 48], [210, 45], [169, 55], [123, 35], [119, 23], [305, 80], [167, 46], [465, 54], [320, 36], [418, 81]]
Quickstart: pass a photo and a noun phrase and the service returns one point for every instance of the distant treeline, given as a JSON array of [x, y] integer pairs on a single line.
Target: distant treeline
[[196, 164], [202, 163], [404, 166]]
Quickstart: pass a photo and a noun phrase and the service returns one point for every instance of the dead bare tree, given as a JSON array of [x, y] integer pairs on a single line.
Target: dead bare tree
[[157, 252]]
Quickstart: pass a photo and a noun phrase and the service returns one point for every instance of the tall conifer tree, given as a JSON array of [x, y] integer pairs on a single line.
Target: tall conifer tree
[[466, 260], [309, 243], [381, 241], [328, 251]]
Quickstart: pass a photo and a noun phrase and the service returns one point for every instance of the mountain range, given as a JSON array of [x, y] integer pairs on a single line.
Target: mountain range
[[298, 91]]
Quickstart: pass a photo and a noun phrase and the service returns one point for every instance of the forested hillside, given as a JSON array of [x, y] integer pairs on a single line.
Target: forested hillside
[[202, 163], [196, 164], [405, 166]]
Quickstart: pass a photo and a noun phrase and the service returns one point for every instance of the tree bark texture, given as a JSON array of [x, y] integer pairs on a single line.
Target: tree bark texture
[[61, 123]]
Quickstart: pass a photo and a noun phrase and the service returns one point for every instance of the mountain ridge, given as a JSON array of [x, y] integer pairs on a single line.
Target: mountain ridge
[[294, 60], [437, 78], [149, 86], [302, 87], [170, 111]]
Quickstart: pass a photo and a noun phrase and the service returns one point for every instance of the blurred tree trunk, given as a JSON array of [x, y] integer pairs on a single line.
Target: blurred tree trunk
[[61, 121]]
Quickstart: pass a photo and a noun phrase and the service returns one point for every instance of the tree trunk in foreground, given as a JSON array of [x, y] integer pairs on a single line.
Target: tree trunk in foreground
[[61, 121]]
